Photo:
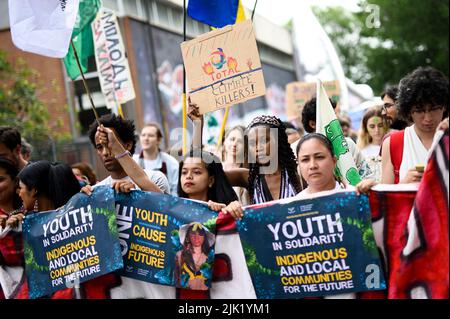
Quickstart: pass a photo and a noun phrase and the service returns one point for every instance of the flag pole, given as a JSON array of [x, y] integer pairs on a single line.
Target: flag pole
[[254, 8], [184, 84], [84, 82], [222, 129]]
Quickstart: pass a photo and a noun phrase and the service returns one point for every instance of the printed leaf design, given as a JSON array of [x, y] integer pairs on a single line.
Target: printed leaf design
[[253, 264], [30, 260], [211, 224], [366, 231], [111, 218]]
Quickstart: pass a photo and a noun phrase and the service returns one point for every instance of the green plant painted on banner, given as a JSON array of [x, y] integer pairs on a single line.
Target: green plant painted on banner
[[211, 224], [111, 218], [30, 261], [334, 133], [253, 264], [366, 231]]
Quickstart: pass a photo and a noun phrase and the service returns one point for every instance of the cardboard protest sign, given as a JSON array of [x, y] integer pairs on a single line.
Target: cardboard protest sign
[[166, 240], [223, 67], [71, 245], [312, 247], [111, 59], [298, 93]]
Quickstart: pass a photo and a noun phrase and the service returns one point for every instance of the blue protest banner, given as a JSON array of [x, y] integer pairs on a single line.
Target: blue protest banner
[[73, 244], [311, 247], [166, 240]]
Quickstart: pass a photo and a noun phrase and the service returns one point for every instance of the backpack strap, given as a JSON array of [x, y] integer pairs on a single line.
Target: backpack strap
[[396, 150]]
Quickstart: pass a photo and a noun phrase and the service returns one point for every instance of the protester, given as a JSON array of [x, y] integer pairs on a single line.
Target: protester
[[115, 154], [272, 170], [27, 149], [273, 173], [390, 109], [11, 146], [293, 133], [84, 173], [43, 186], [152, 158], [422, 99], [46, 186], [316, 164], [234, 155], [371, 132], [10, 202], [309, 123], [346, 125], [201, 177]]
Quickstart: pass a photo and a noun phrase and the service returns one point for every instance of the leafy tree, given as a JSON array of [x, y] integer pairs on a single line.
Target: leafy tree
[[344, 29], [386, 39], [19, 105]]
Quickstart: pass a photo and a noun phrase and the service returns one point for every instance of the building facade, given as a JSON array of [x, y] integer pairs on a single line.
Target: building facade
[[152, 31]]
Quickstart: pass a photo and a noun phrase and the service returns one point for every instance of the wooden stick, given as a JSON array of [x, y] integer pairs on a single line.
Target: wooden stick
[[84, 82]]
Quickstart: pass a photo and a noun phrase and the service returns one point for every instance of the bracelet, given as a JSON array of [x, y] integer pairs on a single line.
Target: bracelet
[[122, 155]]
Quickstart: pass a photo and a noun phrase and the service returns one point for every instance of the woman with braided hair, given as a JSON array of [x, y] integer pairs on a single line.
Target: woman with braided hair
[[272, 165], [272, 172]]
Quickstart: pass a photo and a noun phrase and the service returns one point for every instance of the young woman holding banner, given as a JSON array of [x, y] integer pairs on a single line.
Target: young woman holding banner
[[316, 164], [201, 177], [43, 186]]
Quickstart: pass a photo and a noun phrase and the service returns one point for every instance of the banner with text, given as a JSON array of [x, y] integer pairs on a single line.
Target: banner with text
[[166, 240], [71, 245], [111, 59], [223, 67], [312, 247]]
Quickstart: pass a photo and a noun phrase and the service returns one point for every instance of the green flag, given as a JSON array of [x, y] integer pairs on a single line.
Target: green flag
[[82, 38]]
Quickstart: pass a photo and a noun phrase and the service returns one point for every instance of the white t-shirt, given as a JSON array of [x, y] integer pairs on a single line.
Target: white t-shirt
[[172, 166], [371, 150], [338, 188], [156, 177]]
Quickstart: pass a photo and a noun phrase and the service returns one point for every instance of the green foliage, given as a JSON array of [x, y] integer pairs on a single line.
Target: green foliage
[[110, 216], [19, 105], [410, 33], [344, 30]]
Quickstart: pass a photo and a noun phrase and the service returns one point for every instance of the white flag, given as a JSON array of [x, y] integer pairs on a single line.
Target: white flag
[[43, 27], [112, 63], [328, 125]]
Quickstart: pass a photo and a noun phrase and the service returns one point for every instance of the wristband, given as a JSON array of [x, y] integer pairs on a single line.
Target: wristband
[[122, 155]]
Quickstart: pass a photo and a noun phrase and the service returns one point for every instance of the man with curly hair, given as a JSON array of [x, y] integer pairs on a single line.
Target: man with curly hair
[[115, 142], [423, 100]]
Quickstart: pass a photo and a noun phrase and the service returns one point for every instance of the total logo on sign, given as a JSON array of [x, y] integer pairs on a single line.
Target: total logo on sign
[[220, 66]]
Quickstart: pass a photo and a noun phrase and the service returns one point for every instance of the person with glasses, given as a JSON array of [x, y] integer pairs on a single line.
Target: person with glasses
[[390, 110], [423, 100]]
